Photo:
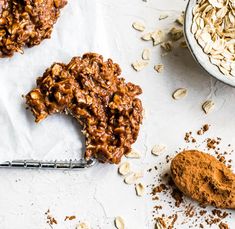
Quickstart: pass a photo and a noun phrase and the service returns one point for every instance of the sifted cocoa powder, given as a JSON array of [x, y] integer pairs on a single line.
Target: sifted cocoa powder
[[204, 179]]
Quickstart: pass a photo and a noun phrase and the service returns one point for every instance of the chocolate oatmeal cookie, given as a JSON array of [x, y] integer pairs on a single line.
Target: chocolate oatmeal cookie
[[26, 23], [91, 90]]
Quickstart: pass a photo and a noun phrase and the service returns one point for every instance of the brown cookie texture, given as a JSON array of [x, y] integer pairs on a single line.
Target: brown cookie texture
[[203, 178], [26, 23], [92, 91]]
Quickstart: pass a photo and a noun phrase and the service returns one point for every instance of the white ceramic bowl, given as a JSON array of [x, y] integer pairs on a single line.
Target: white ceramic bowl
[[201, 58]]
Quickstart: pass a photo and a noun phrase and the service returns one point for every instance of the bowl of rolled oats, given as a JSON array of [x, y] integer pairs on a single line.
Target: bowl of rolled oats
[[210, 34]]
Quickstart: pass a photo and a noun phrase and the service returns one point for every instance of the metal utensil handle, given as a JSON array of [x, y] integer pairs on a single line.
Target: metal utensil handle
[[34, 164]]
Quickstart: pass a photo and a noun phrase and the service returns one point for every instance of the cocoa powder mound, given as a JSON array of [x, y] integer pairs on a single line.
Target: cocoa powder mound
[[203, 178]]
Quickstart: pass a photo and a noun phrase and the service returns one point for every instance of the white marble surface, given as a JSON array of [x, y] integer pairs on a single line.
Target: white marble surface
[[99, 194]]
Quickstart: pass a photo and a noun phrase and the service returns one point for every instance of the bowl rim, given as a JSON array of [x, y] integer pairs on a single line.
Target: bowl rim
[[197, 52]]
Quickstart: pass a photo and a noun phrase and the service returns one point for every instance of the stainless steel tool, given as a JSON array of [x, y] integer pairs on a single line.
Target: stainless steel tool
[[36, 164]]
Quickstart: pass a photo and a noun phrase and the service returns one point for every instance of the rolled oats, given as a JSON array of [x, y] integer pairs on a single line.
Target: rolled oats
[[133, 177], [146, 54], [147, 37], [214, 29], [140, 189], [179, 93], [176, 33], [158, 37], [167, 46], [138, 26], [82, 226], [124, 168], [119, 222], [180, 19], [158, 149], [133, 154], [139, 65], [159, 68], [208, 106], [183, 44], [163, 16]]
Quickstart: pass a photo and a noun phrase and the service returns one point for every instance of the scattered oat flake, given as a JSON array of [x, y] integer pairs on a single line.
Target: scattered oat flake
[[124, 168], [176, 33], [147, 37], [119, 222], [82, 226], [138, 26], [139, 65], [167, 46], [158, 149], [180, 20], [159, 68], [133, 177], [179, 93], [158, 37], [133, 154], [146, 54], [140, 189], [183, 44], [208, 106], [163, 16]]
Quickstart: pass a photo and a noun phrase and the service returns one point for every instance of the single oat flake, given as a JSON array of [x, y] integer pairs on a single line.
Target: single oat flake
[[208, 106], [163, 16], [179, 93], [158, 149], [133, 177], [146, 54], [176, 33], [180, 19], [158, 37], [124, 168], [159, 68], [139, 65], [167, 46], [138, 26], [133, 154], [119, 222], [82, 226], [147, 37], [140, 189]]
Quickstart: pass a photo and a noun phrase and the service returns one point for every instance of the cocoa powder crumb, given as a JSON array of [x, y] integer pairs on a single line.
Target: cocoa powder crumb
[[70, 217], [175, 217], [202, 212], [178, 196], [189, 211], [219, 213], [223, 226], [50, 219], [158, 189]]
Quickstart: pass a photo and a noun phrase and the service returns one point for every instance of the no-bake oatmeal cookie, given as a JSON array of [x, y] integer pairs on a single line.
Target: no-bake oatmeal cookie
[[26, 23], [91, 90]]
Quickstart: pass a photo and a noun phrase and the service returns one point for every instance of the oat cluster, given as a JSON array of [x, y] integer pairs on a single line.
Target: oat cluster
[[214, 29], [91, 90], [26, 23]]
